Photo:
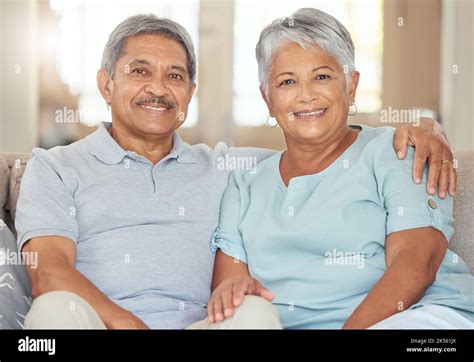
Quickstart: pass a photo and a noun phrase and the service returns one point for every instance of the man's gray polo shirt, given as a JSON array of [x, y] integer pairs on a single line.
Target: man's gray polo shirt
[[142, 230]]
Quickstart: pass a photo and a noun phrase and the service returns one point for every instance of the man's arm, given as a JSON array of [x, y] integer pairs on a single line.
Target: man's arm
[[56, 271], [431, 144]]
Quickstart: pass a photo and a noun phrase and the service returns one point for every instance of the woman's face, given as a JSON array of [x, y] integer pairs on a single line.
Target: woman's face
[[307, 93]]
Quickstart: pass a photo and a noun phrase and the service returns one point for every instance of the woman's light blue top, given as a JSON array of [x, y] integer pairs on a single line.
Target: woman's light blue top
[[319, 244]]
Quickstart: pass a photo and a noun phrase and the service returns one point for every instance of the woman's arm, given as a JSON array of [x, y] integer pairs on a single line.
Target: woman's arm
[[413, 258], [226, 267], [230, 282]]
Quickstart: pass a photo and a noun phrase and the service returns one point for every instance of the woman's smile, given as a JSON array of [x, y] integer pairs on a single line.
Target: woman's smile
[[312, 114]]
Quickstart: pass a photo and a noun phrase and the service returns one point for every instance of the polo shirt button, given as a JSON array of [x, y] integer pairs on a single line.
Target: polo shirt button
[[432, 203]]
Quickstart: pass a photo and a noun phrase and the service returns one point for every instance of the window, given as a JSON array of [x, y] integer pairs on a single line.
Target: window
[[364, 22]]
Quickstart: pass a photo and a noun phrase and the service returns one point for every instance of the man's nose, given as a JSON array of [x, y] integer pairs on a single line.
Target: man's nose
[[157, 86]]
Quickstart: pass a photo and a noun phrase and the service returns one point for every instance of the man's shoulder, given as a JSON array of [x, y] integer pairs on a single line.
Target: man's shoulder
[[230, 158], [204, 151], [60, 156], [222, 148]]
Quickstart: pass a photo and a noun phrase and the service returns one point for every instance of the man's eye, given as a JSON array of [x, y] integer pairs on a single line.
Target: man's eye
[[140, 71], [322, 77], [287, 82], [176, 76]]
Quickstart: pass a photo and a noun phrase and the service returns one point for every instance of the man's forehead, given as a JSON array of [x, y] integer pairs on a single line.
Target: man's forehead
[[147, 47], [174, 64]]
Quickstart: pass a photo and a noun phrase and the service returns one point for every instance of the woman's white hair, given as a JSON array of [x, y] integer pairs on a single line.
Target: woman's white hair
[[307, 27]]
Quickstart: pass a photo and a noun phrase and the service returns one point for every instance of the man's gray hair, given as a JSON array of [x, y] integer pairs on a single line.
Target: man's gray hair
[[307, 27], [146, 24]]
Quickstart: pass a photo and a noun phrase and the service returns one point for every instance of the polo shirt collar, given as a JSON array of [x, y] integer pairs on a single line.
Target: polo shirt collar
[[106, 149]]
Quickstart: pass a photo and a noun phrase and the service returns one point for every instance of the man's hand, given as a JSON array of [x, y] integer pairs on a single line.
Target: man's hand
[[430, 144], [229, 294]]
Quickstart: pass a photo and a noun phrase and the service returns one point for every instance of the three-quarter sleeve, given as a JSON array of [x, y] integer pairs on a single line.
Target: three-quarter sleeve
[[228, 237], [408, 205], [45, 205]]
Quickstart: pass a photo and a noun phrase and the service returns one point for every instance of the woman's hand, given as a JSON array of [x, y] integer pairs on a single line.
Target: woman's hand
[[230, 293]]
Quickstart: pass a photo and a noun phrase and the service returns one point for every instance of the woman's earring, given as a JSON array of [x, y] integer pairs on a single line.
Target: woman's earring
[[268, 123], [355, 111]]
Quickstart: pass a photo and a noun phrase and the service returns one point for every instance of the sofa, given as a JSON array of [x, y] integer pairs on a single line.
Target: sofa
[[15, 292]]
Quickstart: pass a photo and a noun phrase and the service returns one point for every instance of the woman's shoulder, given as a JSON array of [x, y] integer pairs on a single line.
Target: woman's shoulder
[[376, 150], [377, 135], [263, 169], [377, 143]]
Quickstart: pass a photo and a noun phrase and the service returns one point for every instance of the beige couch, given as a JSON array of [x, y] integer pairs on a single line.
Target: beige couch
[[13, 165]]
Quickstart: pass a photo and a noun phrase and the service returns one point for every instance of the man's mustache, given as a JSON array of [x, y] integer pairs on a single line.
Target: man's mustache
[[157, 100]]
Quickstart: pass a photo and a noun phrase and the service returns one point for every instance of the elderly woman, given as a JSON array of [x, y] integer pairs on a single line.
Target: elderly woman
[[379, 259]]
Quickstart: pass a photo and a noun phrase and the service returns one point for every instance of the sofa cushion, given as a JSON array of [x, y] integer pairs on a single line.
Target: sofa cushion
[[17, 168], [15, 290], [462, 242], [4, 177]]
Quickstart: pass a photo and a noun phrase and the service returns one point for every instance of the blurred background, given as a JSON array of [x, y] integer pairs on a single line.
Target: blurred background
[[412, 54]]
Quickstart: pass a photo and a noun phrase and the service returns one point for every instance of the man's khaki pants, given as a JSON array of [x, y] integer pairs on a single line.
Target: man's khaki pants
[[66, 310]]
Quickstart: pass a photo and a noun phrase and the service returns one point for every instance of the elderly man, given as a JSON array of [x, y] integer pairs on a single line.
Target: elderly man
[[122, 219]]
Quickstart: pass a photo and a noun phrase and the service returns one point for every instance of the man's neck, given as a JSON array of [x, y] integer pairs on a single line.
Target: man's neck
[[153, 149]]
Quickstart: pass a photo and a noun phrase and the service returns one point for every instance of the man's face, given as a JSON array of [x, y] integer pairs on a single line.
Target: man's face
[[151, 89]]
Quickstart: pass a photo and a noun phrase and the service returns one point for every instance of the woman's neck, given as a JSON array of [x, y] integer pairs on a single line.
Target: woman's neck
[[306, 158]]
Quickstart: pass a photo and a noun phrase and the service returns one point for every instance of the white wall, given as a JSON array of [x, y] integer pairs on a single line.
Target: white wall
[[457, 72], [18, 75]]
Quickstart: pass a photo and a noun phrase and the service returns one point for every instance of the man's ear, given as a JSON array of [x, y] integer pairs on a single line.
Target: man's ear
[[267, 101], [353, 86], [193, 88], [104, 84]]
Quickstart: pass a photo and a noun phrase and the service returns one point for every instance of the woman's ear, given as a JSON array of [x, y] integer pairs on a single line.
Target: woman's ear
[[353, 86], [104, 84], [267, 100]]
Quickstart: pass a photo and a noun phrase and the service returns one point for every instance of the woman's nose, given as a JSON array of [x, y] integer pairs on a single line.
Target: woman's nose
[[307, 94]]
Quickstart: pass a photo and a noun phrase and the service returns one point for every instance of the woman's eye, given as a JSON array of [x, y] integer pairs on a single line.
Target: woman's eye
[[176, 76], [322, 77], [287, 82]]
